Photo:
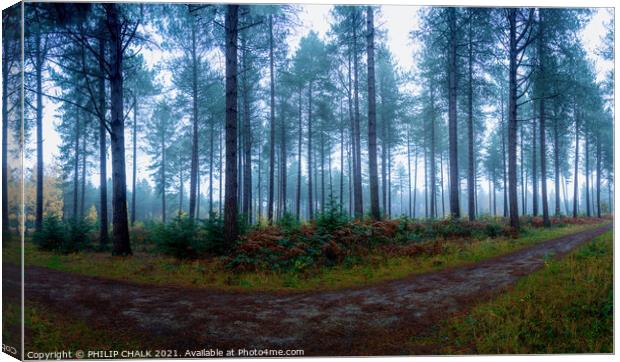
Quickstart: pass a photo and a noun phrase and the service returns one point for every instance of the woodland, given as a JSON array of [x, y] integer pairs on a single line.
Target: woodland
[[204, 117], [174, 175]]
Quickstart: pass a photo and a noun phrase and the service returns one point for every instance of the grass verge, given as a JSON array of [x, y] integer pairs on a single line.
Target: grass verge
[[567, 307], [211, 273], [48, 331]]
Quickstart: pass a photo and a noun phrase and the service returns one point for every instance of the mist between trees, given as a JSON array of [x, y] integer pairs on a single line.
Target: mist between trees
[[501, 114]]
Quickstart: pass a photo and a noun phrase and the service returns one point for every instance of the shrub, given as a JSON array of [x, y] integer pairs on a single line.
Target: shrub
[[177, 238], [212, 235], [63, 237], [332, 218], [52, 234]]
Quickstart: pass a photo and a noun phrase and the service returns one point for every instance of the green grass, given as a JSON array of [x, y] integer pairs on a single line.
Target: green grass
[[567, 307], [211, 273], [48, 331]]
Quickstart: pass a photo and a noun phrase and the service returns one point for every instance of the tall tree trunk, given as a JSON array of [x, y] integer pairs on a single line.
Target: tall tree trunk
[[543, 145], [283, 160], [230, 204], [576, 180], [341, 199], [372, 117], [5, 133], [433, 171], [38, 75], [512, 120], [299, 153], [193, 177], [163, 178], [119, 179], [310, 206], [415, 182], [587, 173], [443, 206], [247, 136], [504, 173], [523, 179], [452, 121], [135, 158], [534, 171], [322, 155], [598, 173], [409, 167], [272, 126], [83, 193], [556, 164], [76, 162], [103, 177], [471, 206], [357, 164], [211, 156]]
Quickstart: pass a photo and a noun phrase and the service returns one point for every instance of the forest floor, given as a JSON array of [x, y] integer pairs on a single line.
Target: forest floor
[[379, 319]]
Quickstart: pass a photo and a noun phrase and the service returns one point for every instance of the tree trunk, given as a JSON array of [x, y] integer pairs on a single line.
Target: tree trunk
[[512, 121], [283, 160], [534, 171], [372, 117], [409, 167], [83, 193], [433, 171], [310, 206], [230, 204], [119, 179], [5, 137], [134, 156], [576, 180], [523, 179], [193, 177], [341, 158], [556, 164], [598, 174], [272, 125], [587, 173], [247, 137], [471, 206], [103, 177], [163, 178], [76, 162], [415, 182], [357, 169], [543, 146], [299, 152], [38, 70], [452, 121]]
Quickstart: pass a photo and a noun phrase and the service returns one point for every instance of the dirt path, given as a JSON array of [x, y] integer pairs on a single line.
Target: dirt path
[[340, 322]]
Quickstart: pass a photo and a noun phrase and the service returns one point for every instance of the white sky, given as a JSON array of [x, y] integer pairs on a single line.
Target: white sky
[[397, 20]]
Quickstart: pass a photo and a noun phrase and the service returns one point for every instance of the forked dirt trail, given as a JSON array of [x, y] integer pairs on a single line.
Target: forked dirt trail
[[341, 322]]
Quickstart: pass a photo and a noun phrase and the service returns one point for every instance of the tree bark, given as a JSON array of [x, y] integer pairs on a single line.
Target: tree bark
[[247, 136], [38, 75], [587, 173], [103, 177], [598, 173], [76, 162], [135, 158], [543, 145], [534, 171], [372, 117], [357, 169], [556, 164], [193, 177], [299, 153], [471, 206], [272, 125], [512, 120], [452, 121], [230, 203], [310, 206], [576, 180], [119, 179]]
